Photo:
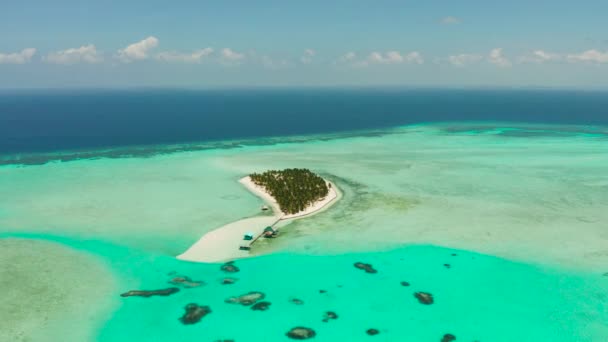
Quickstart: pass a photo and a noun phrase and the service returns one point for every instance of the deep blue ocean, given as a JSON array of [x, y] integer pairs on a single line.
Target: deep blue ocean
[[47, 121]]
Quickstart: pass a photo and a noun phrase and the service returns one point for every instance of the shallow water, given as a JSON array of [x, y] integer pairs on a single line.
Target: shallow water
[[477, 298], [534, 196], [466, 186], [49, 292]]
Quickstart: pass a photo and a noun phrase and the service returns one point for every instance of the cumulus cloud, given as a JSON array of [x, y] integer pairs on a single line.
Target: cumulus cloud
[[137, 51], [308, 56], [450, 20], [83, 54], [196, 56], [347, 58], [497, 58], [544, 56], [589, 56], [392, 57], [22, 57], [375, 57], [464, 59], [231, 57], [539, 57]]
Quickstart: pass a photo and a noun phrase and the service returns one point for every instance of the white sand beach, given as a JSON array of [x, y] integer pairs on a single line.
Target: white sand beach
[[223, 244]]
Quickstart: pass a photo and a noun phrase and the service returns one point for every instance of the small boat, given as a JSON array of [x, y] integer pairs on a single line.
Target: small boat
[[265, 208]]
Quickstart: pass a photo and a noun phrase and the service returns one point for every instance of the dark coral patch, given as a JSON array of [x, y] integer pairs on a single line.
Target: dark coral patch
[[246, 299], [424, 298], [296, 301], [229, 267], [405, 283], [186, 282], [301, 333], [448, 338], [194, 313], [329, 315], [322, 291], [261, 306], [150, 293], [229, 281], [368, 268], [447, 265], [372, 332]]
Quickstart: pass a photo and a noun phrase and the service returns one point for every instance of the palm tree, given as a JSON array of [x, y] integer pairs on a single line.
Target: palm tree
[[293, 189]]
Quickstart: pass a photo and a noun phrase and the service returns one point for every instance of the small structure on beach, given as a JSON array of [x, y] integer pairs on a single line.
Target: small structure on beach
[[270, 232], [265, 208], [248, 236]]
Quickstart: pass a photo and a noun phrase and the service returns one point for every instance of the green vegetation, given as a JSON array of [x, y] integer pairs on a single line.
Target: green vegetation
[[293, 189]]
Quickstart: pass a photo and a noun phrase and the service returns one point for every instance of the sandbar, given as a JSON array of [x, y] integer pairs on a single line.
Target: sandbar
[[222, 244]]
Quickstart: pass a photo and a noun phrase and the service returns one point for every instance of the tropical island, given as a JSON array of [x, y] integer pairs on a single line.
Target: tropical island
[[293, 189], [291, 193]]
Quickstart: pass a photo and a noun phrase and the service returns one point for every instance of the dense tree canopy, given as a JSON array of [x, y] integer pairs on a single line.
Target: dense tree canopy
[[293, 189]]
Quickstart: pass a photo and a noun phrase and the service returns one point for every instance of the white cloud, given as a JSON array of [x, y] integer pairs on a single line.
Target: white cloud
[[464, 59], [22, 57], [231, 57], [497, 58], [179, 57], [347, 58], [393, 57], [589, 56], [451, 20], [83, 54], [540, 56], [308, 56], [137, 51], [544, 56], [375, 57]]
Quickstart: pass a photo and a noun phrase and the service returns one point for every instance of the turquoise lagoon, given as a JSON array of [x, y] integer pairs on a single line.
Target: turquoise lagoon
[[517, 212]]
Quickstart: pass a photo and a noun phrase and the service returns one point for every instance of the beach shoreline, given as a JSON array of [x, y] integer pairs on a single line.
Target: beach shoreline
[[309, 211], [222, 244]]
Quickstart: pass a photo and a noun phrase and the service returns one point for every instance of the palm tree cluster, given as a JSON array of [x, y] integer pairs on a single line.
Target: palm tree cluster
[[293, 189]]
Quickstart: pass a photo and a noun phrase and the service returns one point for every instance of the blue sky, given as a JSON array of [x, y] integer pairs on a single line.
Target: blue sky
[[94, 43]]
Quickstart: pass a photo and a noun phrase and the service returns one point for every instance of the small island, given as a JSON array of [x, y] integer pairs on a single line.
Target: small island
[[293, 189], [290, 193]]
